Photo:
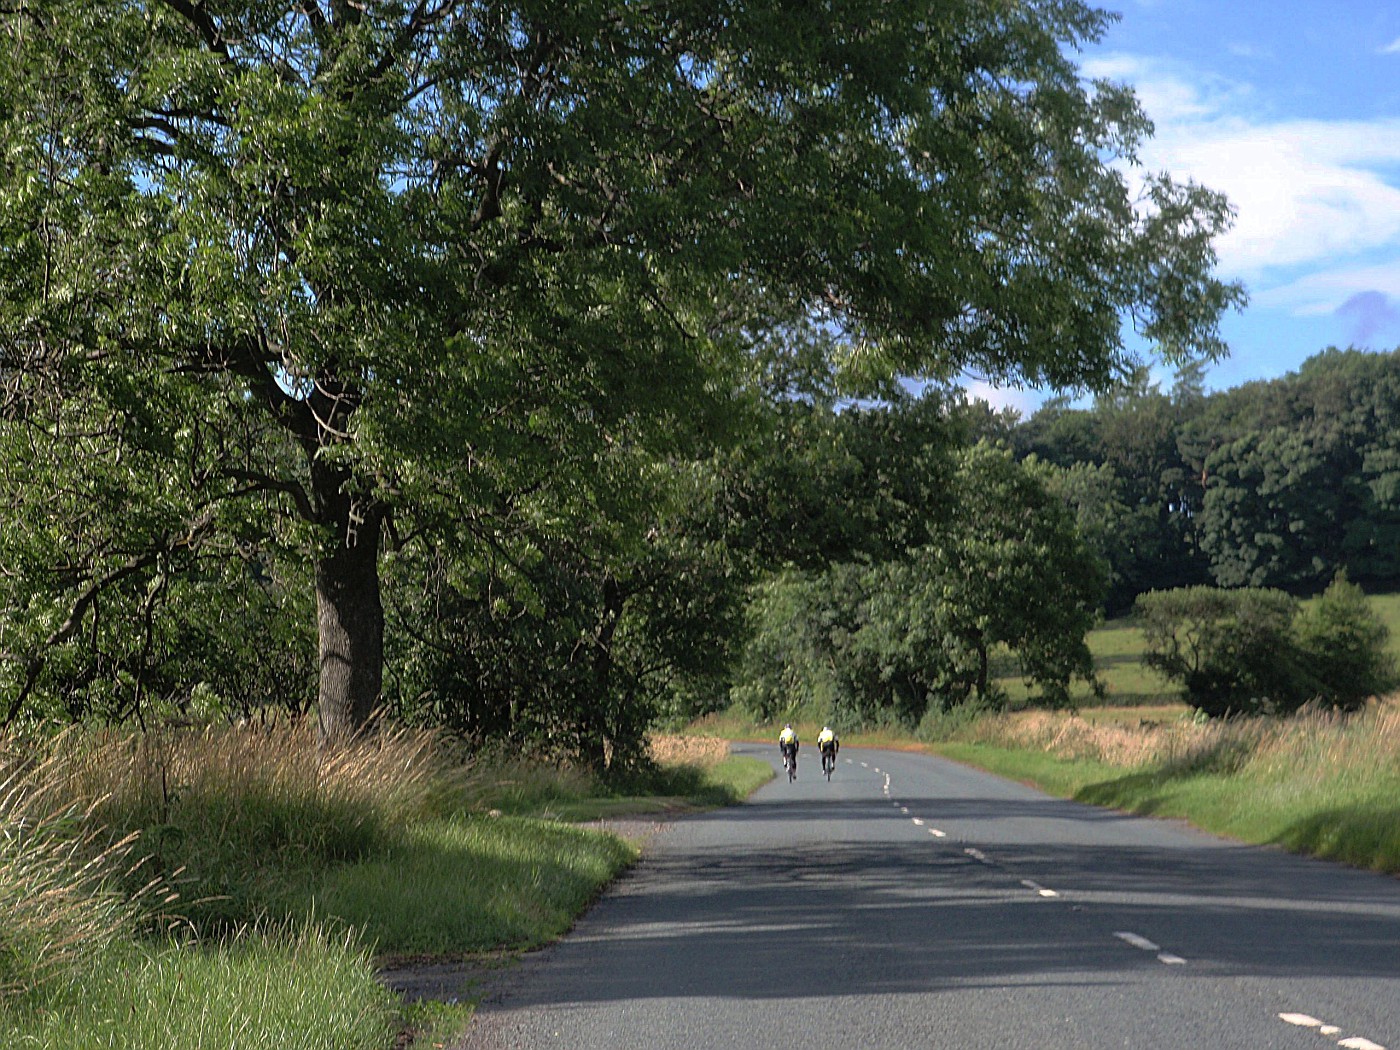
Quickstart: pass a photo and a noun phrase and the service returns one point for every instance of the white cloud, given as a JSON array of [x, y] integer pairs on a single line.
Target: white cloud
[[1306, 192], [1392, 48], [1328, 291], [1309, 194]]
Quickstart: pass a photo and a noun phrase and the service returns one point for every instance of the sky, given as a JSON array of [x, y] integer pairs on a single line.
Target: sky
[[1291, 108]]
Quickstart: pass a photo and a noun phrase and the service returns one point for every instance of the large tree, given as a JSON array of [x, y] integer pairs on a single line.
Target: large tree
[[373, 266]]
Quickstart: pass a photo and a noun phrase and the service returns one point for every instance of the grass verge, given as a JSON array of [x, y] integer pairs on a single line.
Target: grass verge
[[1320, 784], [296, 872]]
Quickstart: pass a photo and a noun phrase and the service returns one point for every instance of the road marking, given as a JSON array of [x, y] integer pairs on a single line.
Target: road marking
[[937, 834], [977, 855], [902, 809], [1138, 941], [917, 822], [864, 765], [1355, 1042], [1031, 884]]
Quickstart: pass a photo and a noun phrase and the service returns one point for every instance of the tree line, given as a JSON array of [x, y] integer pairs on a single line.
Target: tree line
[[1277, 483]]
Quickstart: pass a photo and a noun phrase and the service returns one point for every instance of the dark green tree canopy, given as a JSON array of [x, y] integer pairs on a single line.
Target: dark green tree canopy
[[436, 259]]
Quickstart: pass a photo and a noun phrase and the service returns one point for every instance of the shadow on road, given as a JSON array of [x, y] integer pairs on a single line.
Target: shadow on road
[[848, 918]]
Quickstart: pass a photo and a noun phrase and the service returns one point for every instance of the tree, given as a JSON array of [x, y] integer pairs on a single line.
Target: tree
[[1008, 571], [1003, 571], [438, 256], [1232, 651], [1343, 645]]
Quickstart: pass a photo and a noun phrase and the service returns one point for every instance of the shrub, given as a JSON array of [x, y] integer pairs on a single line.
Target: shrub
[[1232, 650], [1259, 651], [1343, 642]]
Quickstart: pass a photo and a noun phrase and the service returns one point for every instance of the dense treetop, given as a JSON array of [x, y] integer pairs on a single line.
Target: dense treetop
[[313, 284]]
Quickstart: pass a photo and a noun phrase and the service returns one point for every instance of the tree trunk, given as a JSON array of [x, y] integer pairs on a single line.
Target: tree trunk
[[593, 736], [350, 623]]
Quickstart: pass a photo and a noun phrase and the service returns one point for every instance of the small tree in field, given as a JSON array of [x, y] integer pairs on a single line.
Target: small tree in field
[[1232, 651], [1343, 644]]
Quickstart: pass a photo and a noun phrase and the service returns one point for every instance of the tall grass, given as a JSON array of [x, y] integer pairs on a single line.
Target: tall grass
[[296, 869], [235, 817], [1319, 782], [66, 883]]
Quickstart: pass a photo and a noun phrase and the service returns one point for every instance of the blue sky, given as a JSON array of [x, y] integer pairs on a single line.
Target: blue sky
[[1292, 109]]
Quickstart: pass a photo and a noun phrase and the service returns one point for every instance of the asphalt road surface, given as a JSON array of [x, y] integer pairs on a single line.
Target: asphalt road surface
[[912, 902]]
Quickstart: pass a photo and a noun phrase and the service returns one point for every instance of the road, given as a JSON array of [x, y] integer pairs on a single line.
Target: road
[[913, 902]]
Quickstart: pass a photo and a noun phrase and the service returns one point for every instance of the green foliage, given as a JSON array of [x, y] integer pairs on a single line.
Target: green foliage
[[1135, 492], [1251, 651], [1303, 475], [1231, 651], [292, 281], [1343, 642], [890, 639]]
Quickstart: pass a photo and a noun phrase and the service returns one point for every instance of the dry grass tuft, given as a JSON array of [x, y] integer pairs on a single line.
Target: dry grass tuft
[[68, 887], [226, 813], [1312, 743], [703, 752]]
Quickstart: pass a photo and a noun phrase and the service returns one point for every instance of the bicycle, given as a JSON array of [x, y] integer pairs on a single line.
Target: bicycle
[[828, 762], [790, 764]]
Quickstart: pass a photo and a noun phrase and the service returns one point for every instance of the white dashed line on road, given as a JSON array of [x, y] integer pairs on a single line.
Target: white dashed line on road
[[917, 822], [1138, 941], [977, 855], [1355, 1042], [1031, 884], [937, 834]]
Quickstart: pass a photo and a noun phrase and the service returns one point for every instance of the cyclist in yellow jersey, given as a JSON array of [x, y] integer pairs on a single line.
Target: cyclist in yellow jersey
[[828, 745], [788, 745]]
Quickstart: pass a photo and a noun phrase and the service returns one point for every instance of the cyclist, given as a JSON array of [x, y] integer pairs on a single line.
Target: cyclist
[[788, 745], [828, 745]]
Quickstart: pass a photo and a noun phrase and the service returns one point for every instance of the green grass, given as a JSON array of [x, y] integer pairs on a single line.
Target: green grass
[[1058, 776], [666, 789], [1387, 606], [1117, 647], [473, 883], [394, 849], [260, 991], [1320, 784]]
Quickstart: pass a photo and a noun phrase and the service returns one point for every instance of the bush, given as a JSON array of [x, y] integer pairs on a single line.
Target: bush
[[1260, 651], [1343, 642]]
